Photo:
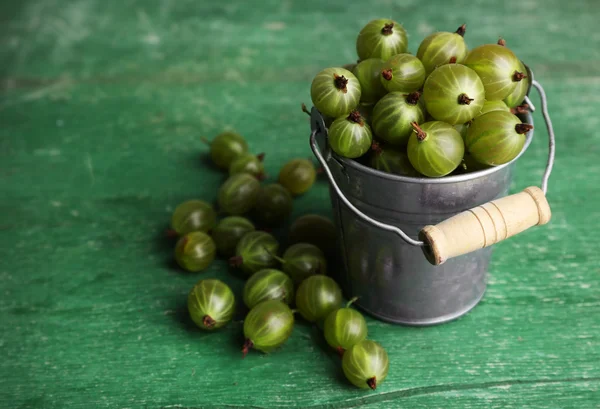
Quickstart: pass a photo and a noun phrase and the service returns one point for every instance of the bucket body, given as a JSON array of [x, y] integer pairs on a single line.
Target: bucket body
[[391, 278]]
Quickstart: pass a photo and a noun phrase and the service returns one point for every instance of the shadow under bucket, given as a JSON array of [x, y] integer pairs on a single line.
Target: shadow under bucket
[[391, 277]]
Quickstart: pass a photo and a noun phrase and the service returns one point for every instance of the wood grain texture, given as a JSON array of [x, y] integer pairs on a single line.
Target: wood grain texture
[[102, 106]]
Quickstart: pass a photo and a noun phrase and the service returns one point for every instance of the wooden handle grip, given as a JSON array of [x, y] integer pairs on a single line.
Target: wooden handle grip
[[485, 225]]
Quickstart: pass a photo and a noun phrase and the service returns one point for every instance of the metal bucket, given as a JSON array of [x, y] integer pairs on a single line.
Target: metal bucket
[[392, 279]]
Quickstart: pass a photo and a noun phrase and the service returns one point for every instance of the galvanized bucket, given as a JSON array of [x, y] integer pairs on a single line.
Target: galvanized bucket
[[379, 215]]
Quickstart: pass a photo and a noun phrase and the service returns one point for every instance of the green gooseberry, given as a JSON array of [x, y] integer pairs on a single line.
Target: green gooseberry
[[489, 106], [344, 328], [297, 176], [453, 93], [390, 160], [211, 304], [393, 115], [403, 73], [268, 284], [195, 251], [317, 296], [462, 129], [226, 147], [302, 260], [350, 136], [314, 229], [368, 72], [238, 194], [443, 48], [193, 215], [248, 163], [515, 98], [498, 68], [496, 137], [366, 111], [257, 250], [273, 204], [435, 149], [381, 38], [335, 92], [366, 364], [267, 326], [228, 232]]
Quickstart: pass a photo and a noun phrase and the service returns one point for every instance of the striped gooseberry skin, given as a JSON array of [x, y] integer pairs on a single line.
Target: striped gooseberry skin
[[490, 106], [496, 65], [366, 364], [314, 229], [344, 328], [273, 205], [516, 97], [496, 137], [268, 284], [195, 251], [453, 93], [390, 160], [403, 73], [435, 149], [226, 147], [211, 304], [257, 250], [441, 48], [317, 296], [335, 92], [297, 176], [462, 129], [350, 136], [228, 232], [368, 72], [238, 194], [267, 326], [381, 38], [193, 215], [248, 163], [302, 260], [393, 115]]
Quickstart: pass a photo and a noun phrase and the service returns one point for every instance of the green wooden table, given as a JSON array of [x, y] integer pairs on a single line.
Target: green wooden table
[[102, 107]]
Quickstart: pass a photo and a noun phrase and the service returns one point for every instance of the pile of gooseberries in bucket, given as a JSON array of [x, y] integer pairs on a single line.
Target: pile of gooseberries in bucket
[[282, 285], [445, 111]]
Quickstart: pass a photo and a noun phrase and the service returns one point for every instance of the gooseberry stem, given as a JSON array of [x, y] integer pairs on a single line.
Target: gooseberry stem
[[261, 156], [376, 148], [246, 347], [521, 109], [464, 99], [275, 256], [208, 321], [518, 76], [340, 351], [340, 82], [372, 382], [523, 128], [171, 233], [421, 134], [355, 117], [352, 301], [461, 30], [236, 261], [387, 74], [413, 98], [305, 109], [452, 60], [387, 29], [502, 42]]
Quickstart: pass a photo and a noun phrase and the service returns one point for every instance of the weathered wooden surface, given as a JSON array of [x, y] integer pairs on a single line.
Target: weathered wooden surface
[[101, 108]]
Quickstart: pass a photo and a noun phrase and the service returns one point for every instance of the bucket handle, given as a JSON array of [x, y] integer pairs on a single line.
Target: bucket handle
[[475, 228]]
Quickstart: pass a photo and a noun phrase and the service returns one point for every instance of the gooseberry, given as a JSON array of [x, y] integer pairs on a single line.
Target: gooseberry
[[453, 93], [268, 284], [297, 176], [350, 136], [366, 364], [317, 296], [257, 250], [381, 38], [390, 160], [195, 251], [516, 97], [273, 204], [226, 147], [435, 149], [498, 69], [248, 163], [489, 106], [496, 137], [229, 232], [368, 72], [301, 260], [238, 194], [393, 115], [335, 92], [267, 326], [403, 73], [193, 215], [442, 48], [344, 328], [211, 304], [462, 129], [314, 229]]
